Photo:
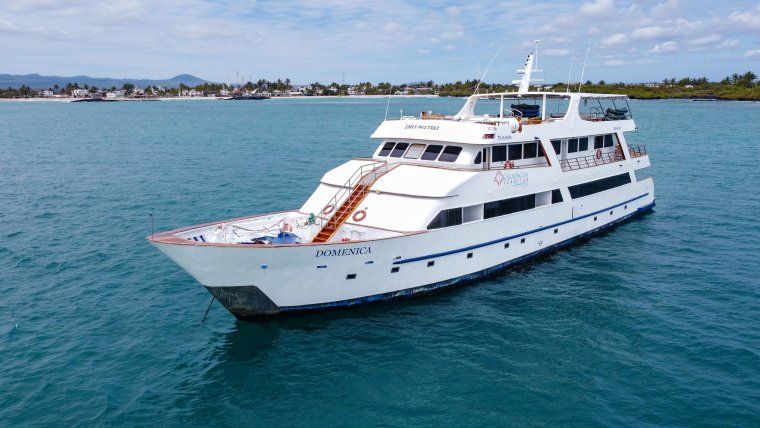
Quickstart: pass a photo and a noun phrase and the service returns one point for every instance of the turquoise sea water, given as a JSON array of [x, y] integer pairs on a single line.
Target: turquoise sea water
[[655, 323]]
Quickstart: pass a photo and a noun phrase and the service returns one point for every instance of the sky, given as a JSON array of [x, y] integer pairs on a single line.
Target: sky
[[390, 40]]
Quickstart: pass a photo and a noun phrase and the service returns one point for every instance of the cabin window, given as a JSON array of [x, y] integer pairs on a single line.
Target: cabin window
[[499, 153], [386, 148], [585, 189], [414, 152], [541, 153], [530, 150], [399, 150], [557, 144], [583, 144], [572, 145], [556, 196], [478, 158], [446, 218], [450, 154], [609, 141], [431, 152], [515, 151], [598, 141], [508, 206]]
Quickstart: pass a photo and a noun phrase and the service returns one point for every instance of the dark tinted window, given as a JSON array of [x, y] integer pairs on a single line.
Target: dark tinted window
[[572, 145], [508, 206], [541, 150], [431, 153], [450, 154], [583, 144], [515, 151], [585, 189], [386, 149], [530, 150], [399, 150], [556, 196], [608, 140], [499, 153], [598, 141], [445, 218], [477, 159], [557, 144]]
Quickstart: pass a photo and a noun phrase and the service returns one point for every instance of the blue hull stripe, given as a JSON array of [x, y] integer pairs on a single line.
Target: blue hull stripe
[[475, 275], [497, 241]]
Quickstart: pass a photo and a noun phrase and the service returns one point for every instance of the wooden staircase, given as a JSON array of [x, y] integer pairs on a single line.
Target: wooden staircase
[[353, 201], [357, 186]]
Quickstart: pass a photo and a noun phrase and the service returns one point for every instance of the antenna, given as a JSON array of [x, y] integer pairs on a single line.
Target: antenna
[[583, 71], [389, 102], [569, 73], [535, 61], [486, 70]]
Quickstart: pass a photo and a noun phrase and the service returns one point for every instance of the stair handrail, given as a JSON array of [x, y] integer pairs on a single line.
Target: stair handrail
[[349, 187]]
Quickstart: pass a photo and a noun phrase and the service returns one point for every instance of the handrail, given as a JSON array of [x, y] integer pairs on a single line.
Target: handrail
[[637, 150], [352, 182], [604, 158]]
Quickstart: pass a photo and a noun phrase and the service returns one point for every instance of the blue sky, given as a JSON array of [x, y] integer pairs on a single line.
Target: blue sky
[[392, 40]]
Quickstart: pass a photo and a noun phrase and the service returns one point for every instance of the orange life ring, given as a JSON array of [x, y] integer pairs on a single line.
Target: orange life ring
[[509, 165], [598, 153], [359, 215], [328, 209]]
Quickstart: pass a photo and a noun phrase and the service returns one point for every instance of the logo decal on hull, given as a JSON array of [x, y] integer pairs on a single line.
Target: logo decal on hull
[[357, 251], [513, 179]]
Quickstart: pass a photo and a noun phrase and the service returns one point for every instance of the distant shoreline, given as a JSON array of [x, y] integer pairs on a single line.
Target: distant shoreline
[[68, 100]]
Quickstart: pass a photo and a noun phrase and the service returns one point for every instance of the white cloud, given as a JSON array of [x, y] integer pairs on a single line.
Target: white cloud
[[665, 8], [391, 27], [728, 44], [554, 52], [453, 11], [598, 7], [665, 47], [614, 39], [753, 53], [748, 19], [423, 51], [450, 47], [706, 40], [646, 33], [613, 62]]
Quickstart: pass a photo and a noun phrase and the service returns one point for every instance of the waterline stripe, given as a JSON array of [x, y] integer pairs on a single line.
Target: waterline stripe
[[496, 241]]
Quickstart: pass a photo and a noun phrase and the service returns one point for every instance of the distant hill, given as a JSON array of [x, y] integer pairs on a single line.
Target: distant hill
[[35, 81]]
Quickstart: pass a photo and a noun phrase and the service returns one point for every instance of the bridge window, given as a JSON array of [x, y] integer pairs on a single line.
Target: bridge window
[[446, 218], [478, 158], [530, 150], [598, 141], [508, 206], [515, 151], [609, 140], [399, 150], [572, 145], [414, 152], [583, 144], [585, 189], [557, 144], [450, 154], [387, 147], [499, 153], [431, 152], [556, 196]]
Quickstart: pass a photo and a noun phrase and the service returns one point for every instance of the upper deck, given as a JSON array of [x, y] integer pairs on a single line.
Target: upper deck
[[512, 116]]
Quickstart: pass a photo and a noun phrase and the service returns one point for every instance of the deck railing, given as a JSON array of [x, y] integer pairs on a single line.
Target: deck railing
[[637, 151], [601, 158]]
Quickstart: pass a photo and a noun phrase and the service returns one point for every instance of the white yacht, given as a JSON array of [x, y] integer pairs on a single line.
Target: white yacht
[[443, 199]]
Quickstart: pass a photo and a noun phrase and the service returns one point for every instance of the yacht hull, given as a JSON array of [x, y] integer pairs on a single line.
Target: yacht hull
[[255, 282]]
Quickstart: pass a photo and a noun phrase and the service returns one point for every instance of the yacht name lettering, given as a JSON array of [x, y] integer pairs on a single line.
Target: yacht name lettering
[[504, 137], [428, 127], [344, 252]]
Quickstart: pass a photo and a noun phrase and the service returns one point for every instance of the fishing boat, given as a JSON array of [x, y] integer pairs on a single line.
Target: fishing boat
[[443, 200]]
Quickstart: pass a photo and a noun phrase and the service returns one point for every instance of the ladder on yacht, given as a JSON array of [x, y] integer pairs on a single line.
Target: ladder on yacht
[[357, 187]]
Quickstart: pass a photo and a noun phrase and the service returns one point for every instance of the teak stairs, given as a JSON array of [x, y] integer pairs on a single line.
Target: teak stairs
[[357, 195]]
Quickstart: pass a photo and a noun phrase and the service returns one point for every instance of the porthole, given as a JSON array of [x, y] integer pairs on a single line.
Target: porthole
[[506, 245], [431, 263], [351, 276], [555, 231], [469, 255], [522, 241], [610, 212], [394, 269], [594, 218]]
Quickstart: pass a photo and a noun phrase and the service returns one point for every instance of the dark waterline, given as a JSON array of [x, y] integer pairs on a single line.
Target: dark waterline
[[657, 322]]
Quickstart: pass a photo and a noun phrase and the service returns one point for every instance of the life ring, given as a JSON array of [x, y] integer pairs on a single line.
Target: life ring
[[359, 215], [509, 165], [598, 153], [328, 209]]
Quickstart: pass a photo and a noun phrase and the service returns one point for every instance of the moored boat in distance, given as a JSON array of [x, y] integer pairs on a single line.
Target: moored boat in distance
[[443, 199]]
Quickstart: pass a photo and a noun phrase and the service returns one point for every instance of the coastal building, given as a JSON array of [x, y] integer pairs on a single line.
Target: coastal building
[[79, 93], [46, 93]]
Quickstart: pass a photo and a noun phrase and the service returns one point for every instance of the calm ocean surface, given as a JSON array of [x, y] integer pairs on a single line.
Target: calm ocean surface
[[656, 323]]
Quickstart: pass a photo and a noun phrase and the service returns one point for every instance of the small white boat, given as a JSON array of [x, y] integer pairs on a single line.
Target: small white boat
[[443, 199]]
